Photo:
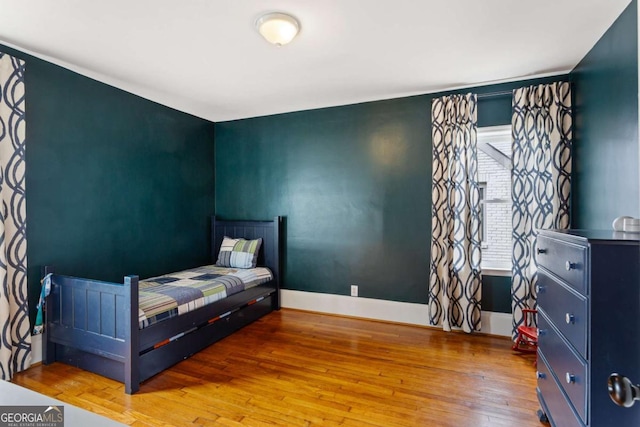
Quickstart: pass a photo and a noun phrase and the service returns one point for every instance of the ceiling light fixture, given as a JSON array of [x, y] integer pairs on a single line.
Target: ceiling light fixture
[[278, 28]]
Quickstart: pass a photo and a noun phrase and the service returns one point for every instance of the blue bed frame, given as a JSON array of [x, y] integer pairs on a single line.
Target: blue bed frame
[[94, 325]]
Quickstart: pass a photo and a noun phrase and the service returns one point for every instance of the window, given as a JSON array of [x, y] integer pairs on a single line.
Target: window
[[494, 177]]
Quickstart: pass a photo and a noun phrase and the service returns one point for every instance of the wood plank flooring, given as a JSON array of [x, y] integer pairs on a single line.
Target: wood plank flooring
[[294, 368]]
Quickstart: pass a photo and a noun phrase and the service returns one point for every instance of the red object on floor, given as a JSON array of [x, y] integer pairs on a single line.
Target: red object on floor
[[527, 339]]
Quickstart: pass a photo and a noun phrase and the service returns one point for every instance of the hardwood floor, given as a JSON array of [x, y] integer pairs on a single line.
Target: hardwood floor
[[294, 368]]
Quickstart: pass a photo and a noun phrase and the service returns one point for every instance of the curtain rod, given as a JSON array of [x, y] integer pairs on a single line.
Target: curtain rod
[[494, 94]]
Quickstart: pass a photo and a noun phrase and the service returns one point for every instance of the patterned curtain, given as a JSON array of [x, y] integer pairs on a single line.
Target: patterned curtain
[[541, 179], [455, 283], [15, 336]]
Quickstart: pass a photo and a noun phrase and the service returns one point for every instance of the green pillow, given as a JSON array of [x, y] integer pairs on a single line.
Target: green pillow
[[238, 253]]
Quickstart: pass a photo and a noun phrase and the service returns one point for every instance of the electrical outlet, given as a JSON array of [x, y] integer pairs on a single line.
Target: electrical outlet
[[354, 290]]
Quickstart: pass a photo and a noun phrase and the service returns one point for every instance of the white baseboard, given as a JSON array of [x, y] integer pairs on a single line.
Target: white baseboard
[[376, 309], [497, 323], [36, 348]]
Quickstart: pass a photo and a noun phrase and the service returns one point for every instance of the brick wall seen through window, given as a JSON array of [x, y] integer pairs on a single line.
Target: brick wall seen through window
[[494, 175]]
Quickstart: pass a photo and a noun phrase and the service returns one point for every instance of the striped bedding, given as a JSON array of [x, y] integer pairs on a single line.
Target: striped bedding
[[173, 294]]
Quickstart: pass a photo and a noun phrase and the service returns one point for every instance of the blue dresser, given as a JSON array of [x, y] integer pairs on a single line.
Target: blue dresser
[[588, 324]]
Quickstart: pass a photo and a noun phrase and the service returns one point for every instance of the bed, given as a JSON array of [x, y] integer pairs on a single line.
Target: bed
[[97, 325]]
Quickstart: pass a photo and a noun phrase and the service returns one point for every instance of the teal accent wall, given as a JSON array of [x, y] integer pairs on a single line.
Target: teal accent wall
[[605, 179], [116, 184], [354, 183], [351, 182], [496, 294]]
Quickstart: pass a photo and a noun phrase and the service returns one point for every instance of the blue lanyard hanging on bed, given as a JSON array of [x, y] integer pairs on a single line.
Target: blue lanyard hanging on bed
[[44, 293]]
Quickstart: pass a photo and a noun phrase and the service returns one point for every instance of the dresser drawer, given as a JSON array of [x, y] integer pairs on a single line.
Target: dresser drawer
[[566, 309], [569, 368], [553, 400], [567, 260]]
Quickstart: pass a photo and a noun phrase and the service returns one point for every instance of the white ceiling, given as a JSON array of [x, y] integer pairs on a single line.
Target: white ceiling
[[206, 58]]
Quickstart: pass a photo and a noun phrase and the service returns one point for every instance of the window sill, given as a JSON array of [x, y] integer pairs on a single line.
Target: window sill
[[496, 271]]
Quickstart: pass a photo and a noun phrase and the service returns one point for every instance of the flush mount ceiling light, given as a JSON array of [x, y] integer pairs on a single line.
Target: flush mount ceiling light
[[278, 28]]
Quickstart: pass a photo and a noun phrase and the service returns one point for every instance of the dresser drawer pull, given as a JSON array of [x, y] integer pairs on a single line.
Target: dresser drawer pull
[[541, 250], [570, 318], [540, 375], [622, 391], [570, 378], [539, 289], [542, 332], [570, 265]]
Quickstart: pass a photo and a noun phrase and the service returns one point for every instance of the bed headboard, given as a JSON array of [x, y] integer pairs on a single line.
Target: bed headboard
[[270, 250]]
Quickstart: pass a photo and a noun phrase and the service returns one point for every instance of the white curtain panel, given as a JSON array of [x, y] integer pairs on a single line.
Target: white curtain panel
[[455, 283], [540, 178], [15, 336]]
